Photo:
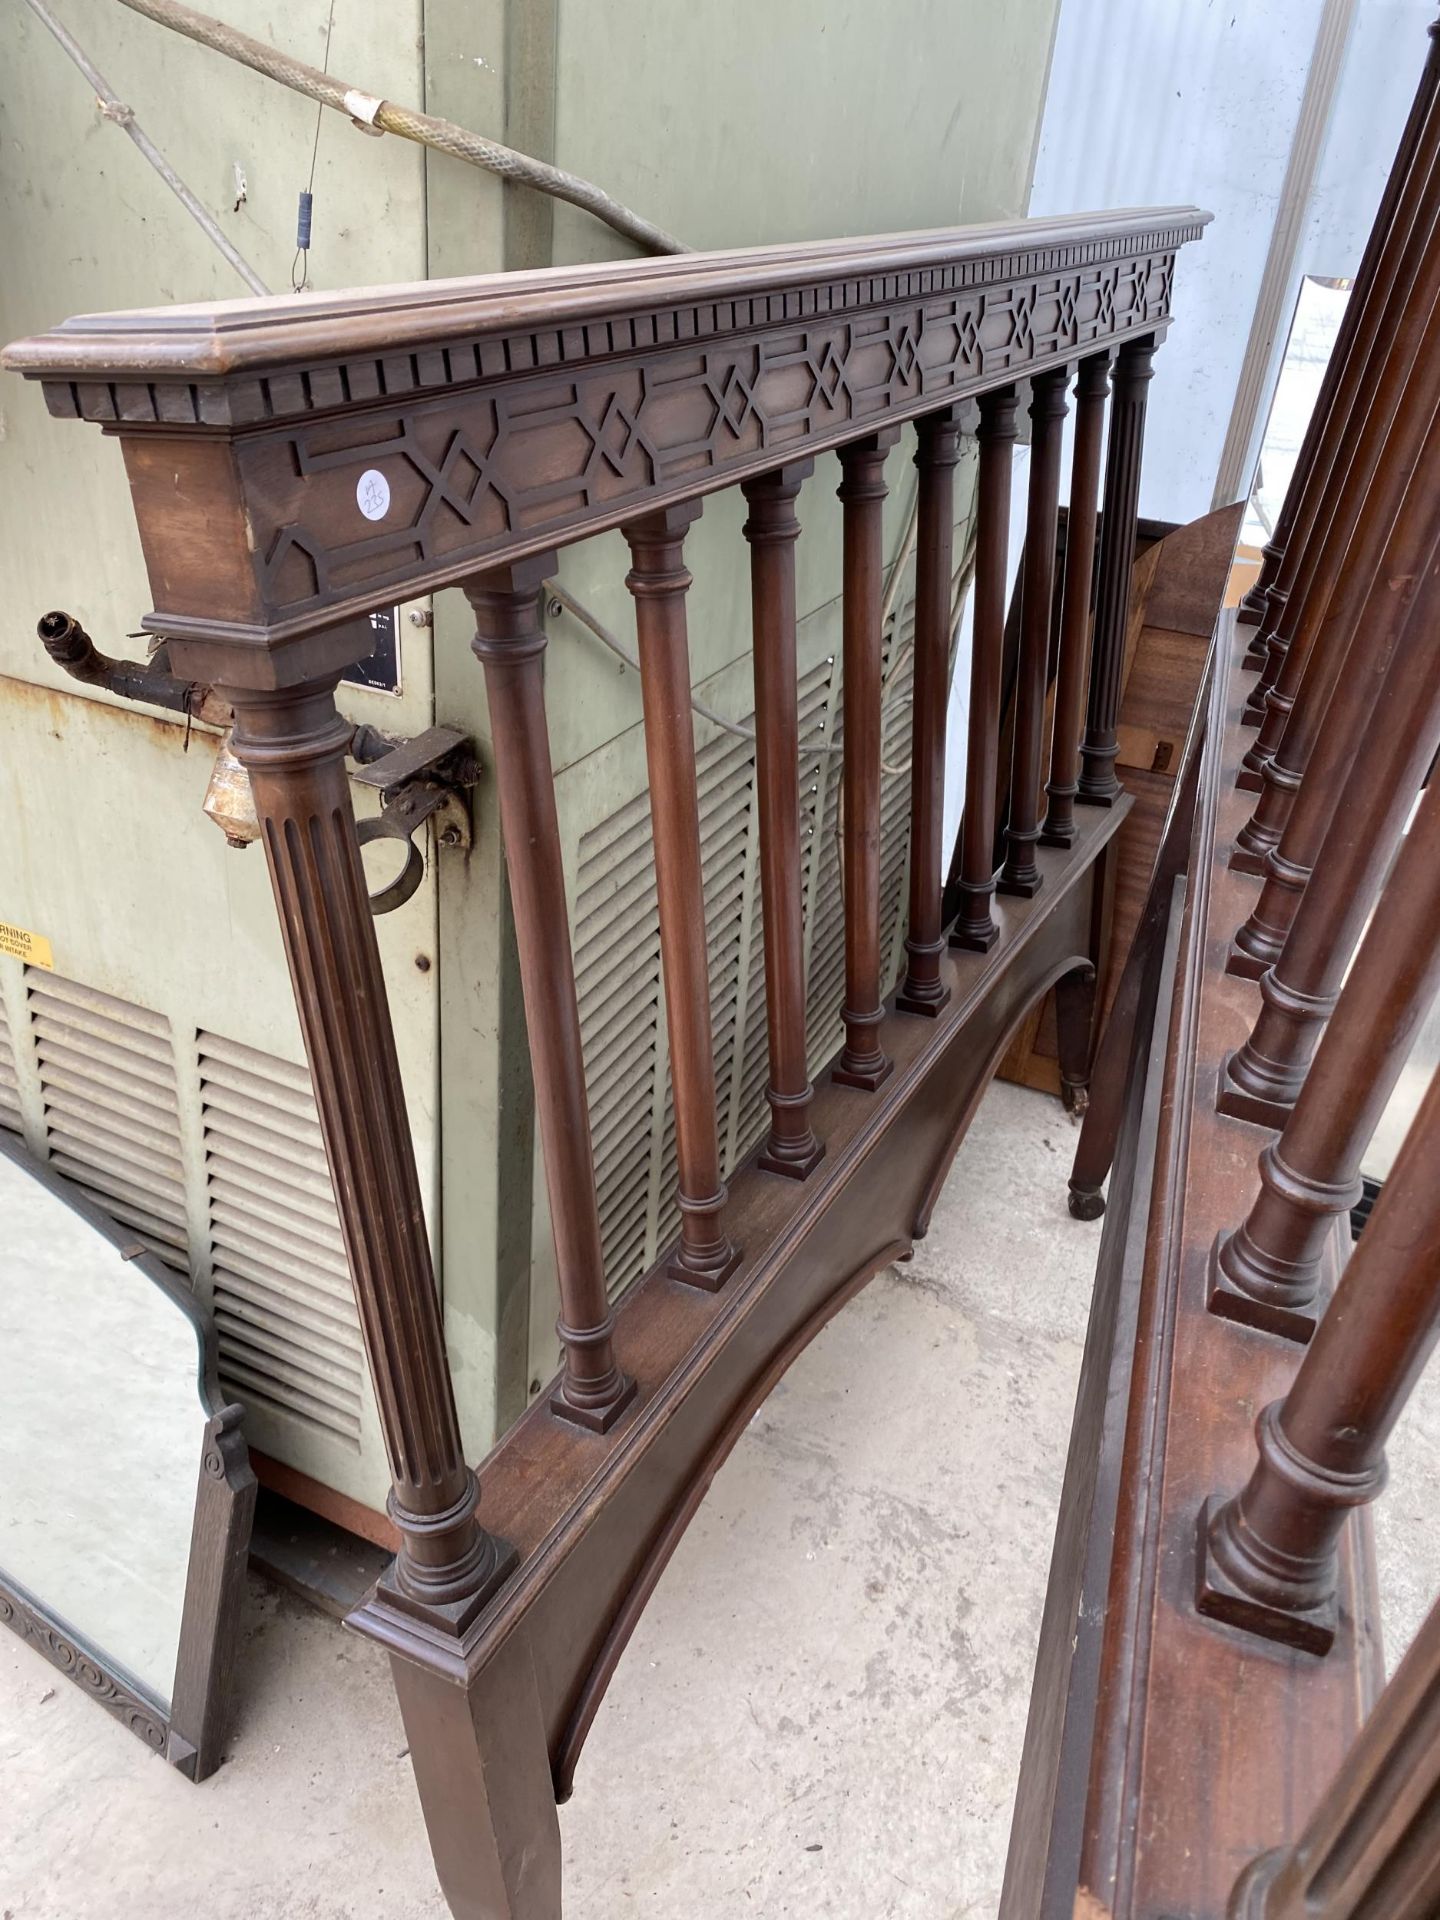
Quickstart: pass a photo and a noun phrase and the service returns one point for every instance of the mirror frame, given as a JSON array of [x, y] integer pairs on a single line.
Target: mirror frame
[[189, 1731]]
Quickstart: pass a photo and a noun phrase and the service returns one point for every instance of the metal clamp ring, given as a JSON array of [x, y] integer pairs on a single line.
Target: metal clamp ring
[[397, 891]]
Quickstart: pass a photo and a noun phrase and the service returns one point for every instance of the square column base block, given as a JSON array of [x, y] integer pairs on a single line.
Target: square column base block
[[1228, 1303], [866, 1080], [1239, 1105], [793, 1169], [1244, 965], [929, 1006], [592, 1419], [1243, 861], [1312, 1631], [974, 942], [707, 1282]]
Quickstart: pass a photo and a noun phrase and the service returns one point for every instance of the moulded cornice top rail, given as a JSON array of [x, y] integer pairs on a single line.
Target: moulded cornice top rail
[[296, 463], [211, 339]]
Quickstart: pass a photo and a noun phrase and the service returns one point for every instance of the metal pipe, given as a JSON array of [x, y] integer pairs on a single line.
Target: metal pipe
[[385, 116], [75, 653]]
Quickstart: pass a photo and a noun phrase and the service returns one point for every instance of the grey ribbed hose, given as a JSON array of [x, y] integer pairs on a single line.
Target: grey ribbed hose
[[444, 135]]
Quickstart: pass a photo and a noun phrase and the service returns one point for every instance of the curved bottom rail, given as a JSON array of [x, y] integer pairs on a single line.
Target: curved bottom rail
[[595, 1519]]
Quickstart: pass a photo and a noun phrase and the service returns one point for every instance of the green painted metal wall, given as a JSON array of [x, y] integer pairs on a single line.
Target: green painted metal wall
[[729, 123]]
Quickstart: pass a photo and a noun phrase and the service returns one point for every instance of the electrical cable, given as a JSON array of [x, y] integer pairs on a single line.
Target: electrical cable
[[307, 198]]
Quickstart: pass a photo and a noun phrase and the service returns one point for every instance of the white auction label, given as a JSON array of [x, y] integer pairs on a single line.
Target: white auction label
[[372, 494]]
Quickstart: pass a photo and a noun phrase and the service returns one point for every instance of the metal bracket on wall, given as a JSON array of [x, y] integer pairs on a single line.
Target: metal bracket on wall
[[427, 778]]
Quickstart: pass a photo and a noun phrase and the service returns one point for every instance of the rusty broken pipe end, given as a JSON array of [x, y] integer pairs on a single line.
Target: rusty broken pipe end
[[68, 644], [75, 653]]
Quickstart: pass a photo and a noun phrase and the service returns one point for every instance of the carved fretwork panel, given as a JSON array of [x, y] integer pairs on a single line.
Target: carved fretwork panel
[[483, 471], [486, 470]]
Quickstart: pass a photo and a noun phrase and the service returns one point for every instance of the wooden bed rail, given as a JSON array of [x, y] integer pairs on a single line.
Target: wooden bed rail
[[296, 463], [1212, 1610]]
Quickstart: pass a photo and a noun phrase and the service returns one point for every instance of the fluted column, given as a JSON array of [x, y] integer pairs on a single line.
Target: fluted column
[[936, 456], [1134, 369], [1091, 389], [510, 644], [1019, 874], [772, 530], [293, 745]]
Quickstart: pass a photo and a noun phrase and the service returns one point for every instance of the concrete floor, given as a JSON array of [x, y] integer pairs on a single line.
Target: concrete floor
[[896, 1495]]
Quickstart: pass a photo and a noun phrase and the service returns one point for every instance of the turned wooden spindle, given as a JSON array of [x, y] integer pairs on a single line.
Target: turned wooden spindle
[[510, 644], [1261, 1080], [1134, 369], [1267, 1559], [1019, 873], [863, 1062], [659, 582], [975, 928], [1371, 483], [772, 530], [1268, 1272], [1368, 1850], [936, 456], [1091, 389], [1316, 543], [1295, 814], [292, 744]]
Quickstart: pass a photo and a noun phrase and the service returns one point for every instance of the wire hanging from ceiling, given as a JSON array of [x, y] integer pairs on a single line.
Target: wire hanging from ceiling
[[300, 274]]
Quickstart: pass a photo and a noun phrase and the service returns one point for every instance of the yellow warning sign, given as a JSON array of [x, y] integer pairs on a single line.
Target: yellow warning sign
[[33, 948]]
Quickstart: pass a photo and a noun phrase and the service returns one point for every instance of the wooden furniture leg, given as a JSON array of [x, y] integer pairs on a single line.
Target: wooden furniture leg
[[483, 1770], [1134, 995]]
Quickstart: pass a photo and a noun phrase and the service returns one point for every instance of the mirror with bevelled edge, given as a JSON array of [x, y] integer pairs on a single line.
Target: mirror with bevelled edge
[[126, 1494]]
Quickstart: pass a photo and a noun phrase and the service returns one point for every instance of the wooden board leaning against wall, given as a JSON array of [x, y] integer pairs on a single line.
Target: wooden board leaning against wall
[[1178, 586]]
